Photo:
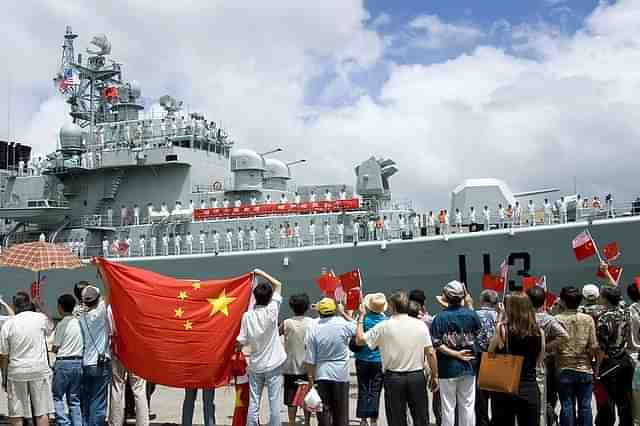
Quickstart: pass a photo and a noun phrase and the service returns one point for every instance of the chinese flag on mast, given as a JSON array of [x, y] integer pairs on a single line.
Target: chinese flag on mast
[[173, 332], [583, 246]]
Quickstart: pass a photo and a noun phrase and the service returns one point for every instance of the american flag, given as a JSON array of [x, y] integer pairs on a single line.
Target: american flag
[[67, 80]]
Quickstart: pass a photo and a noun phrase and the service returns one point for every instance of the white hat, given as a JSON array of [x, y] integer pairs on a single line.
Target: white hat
[[453, 289], [376, 302], [590, 292]]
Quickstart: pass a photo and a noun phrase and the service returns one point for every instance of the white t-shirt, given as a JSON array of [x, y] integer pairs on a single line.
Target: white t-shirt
[[68, 337], [96, 326], [259, 331], [295, 333], [22, 338], [401, 340]]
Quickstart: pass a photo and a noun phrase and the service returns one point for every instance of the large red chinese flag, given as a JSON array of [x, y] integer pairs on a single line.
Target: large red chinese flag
[[350, 280], [328, 282], [583, 246], [178, 333]]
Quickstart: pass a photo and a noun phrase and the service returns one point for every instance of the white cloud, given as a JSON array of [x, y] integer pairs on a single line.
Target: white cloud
[[381, 20], [430, 32]]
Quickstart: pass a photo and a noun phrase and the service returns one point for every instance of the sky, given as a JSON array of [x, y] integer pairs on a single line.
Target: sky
[[539, 93]]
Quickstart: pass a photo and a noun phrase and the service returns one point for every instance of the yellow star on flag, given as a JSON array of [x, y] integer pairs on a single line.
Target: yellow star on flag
[[239, 402], [183, 295], [196, 285], [179, 312], [221, 304], [188, 325]]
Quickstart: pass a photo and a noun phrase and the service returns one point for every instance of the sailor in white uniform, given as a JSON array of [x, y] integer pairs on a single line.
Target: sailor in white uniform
[[109, 216], [177, 243], [517, 214], [229, 239], [340, 233], [238, 203], [191, 206], [142, 245], [149, 212], [312, 197], [402, 224], [486, 215], [371, 230], [343, 194], [105, 247], [216, 241], [225, 203], [327, 232], [203, 241], [267, 237], [386, 229], [164, 209], [532, 213], [548, 212], [472, 216], [283, 199], [328, 196], [297, 198], [267, 199], [501, 217], [20, 168], [165, 244], [153, 245], [312, 233], [127, 251], [431, 224], [356, 230], [136, 214], [415, 225], [240, 239], [253, 238], [447, 222], [82, 248], [297, 235], [214, 203], [458, 219], [189, 241], [90, 163], [177, 208], [563, 210], [203, 204], [283, 236], [254, 200], [123, 215], [115, 247]]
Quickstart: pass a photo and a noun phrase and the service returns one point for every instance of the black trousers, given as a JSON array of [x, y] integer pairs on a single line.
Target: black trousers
[[335, 403], [370, 380], [525, 406], [402, 390], [484, 400], [618, 386]]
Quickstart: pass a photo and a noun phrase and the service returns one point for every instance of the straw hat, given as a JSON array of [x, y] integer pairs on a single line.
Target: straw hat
[[453, 289], [376, 302]]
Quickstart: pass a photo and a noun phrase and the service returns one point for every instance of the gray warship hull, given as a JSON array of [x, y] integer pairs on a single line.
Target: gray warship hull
[[424, 262]]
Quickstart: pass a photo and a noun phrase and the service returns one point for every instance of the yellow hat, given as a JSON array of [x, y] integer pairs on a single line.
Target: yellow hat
[[327, 306]]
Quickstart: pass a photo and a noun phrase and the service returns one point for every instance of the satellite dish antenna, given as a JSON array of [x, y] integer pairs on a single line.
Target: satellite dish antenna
[[170, 104]]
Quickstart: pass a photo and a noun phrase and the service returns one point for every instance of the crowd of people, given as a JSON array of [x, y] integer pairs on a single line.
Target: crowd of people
[[584, 345]]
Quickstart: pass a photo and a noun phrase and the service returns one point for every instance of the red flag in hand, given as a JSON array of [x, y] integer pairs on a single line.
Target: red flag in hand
[[350, 280], [354, 297], [241, 410], [614, 271], [636, 281], [550, 299], [583, 246], [528, 282], [492, 282], [328, 282], [611, 251], [176, 322]]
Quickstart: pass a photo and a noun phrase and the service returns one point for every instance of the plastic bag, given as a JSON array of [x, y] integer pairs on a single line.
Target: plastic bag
[[313, 401]]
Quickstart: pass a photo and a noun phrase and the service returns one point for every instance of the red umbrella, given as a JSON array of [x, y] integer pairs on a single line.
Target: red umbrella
[[39, 256]]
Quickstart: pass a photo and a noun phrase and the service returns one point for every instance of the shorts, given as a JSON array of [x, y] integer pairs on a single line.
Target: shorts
[[291, 387], [22, 397]]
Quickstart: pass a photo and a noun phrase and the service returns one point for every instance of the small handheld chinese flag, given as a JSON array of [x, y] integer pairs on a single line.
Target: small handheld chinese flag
[[328, 282], [354, 297], [611, 251], [492, 282], [529, 282], [615, 271], [583, 246], [350, 280], [173, 332]]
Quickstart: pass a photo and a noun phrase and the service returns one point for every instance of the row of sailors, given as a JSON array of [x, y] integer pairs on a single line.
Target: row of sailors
[[136, 132], [509, 216], [32, 167], [243, 239], [134, 214]]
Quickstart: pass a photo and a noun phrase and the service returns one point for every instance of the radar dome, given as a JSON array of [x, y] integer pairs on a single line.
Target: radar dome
[[276, 169], [71, 136], [136, 91], [246, 159]]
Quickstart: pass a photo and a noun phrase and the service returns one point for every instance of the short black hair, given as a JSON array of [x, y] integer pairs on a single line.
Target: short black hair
[[299, 303], [414, 308], [22, 302], [537, 296], [418, 296], [67, 303], [77, 289], [633, 292], [263, 293], [400, 302], [611, 295], [571, 297]]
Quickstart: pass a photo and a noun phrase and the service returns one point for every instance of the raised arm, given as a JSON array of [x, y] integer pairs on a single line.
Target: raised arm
[[7, 307], [277, 285]]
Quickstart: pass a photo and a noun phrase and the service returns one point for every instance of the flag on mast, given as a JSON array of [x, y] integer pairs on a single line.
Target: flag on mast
[[583, 246]]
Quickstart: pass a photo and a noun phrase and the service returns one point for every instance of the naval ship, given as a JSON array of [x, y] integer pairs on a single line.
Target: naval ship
[[171, 192]]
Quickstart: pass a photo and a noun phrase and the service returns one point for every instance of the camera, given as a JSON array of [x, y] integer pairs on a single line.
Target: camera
[[102, 360]]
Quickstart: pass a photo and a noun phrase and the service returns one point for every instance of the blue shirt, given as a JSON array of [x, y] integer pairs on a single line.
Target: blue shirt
[[488, 319], [366, 354], [457, 328], [96, 328], [327, 345]]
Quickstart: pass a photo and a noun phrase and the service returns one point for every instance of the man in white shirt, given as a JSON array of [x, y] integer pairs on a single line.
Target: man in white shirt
[[297, 198], [296, 233], [229, 240], [356, 231], [189, 241], [177, 242], [340, 233], [327, 232], [415, 220], [240, 239], [152, 245], [486, 215], [253, 235], [142, 247], [472, 217], [238, 203], [203, 241], [254, 200], [105, 247], [216, 241], [214, 203], [283, 236], [402, 224], [431, 224], [136, 214], [501, 217], [123, 215], [548, 212], [259, 334], [165, 244], [68, 345], [371, 230], [149, 212], [563, 210], [23, 354], [517, 214], [327, 195], [203, 204], [225, 203], [267, 237], [96, 328], [283, 199], [343, 194], [532, 213], [312, 197], [312, 233], [458, 219], [404, 343]]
